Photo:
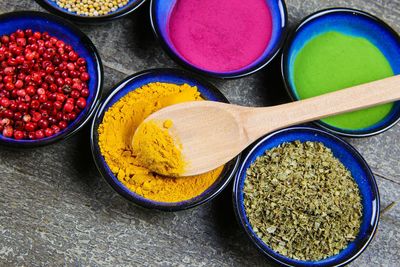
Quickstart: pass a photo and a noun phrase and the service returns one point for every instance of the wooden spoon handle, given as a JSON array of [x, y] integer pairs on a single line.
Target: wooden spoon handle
[[350, 99]]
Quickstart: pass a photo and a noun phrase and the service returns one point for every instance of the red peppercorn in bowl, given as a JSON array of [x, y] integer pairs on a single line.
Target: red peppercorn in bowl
[[50, 78]]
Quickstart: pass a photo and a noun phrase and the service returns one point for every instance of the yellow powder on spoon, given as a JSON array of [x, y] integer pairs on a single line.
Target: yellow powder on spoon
[[115, 140], [157, 150]]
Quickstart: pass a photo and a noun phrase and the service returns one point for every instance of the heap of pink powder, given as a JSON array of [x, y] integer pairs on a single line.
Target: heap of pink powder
[[220, 35]]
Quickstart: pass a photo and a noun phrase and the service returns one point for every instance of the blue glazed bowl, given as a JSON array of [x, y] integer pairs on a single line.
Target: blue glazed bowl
[[131, 83], [52, 7], [160, 12], [67, 32], [350, 22], [350, 158]]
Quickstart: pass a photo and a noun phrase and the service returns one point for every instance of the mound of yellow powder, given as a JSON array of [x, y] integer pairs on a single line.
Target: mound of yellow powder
[[115, 140], [157, 150]]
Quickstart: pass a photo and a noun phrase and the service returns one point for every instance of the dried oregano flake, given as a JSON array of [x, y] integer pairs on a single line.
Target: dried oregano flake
[[302, 202]]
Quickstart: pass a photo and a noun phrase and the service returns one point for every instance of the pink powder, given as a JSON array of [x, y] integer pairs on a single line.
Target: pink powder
[[220, 35]]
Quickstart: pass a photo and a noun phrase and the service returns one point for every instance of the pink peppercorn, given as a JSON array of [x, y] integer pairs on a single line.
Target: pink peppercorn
[[43, 85]]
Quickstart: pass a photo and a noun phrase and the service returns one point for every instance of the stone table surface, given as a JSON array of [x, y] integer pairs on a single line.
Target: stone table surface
[[55, 209]]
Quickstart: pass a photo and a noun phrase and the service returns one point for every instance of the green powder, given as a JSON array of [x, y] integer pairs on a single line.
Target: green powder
[[333, 61]]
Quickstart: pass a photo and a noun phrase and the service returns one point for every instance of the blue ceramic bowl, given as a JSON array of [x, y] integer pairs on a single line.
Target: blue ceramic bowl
[[67, 32], [52, 7], [131, 83], [161, 11], [350, 22], [353, 162]]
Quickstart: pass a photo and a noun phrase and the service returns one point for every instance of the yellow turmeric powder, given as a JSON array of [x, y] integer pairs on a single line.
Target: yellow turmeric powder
[[115, 140], [157, 150], [168, 124]]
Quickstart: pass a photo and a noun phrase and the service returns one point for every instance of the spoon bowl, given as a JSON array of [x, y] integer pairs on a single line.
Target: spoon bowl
[[205, 114]]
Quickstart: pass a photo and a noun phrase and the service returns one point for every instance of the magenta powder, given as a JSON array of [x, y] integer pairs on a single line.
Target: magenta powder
[[220, 35]]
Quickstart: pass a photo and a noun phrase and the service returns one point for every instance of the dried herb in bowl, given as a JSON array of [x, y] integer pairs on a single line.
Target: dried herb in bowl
[[302, 201]]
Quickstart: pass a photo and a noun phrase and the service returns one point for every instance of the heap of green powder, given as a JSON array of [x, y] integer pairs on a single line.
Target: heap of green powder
[[333, 61]]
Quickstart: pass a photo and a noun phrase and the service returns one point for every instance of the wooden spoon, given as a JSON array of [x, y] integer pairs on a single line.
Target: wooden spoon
[[212, 133]]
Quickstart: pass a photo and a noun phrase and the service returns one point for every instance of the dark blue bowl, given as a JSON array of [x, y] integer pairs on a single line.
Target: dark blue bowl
[[350, 158], [356, 23], [63, 30], [131, 83], [52, 7], [161, 11]]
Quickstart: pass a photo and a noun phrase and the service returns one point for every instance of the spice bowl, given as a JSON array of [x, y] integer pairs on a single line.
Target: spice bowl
[[130, 84], [338, 48], [53, 7], [257, 44], [84, 48], [350, 158]]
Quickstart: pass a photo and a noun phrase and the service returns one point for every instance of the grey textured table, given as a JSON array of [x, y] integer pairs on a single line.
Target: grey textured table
[[55, 209]]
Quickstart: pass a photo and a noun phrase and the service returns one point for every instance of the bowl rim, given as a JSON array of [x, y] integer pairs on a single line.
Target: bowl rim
[[239, 214], [98, 89], [123, 11], [233, 75], [290, 91], [122, 189]]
